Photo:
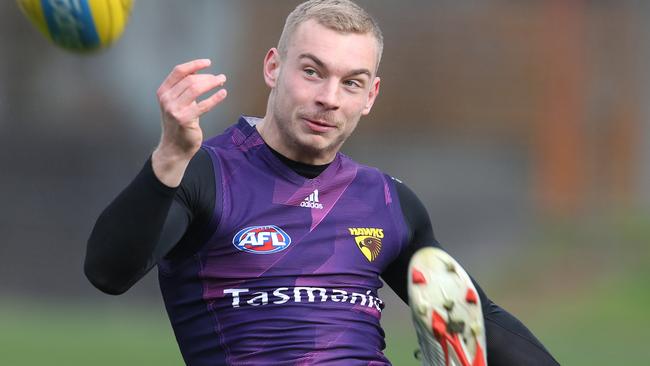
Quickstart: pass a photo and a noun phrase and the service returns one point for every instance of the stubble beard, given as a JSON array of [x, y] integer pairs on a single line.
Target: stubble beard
[[290, 125]]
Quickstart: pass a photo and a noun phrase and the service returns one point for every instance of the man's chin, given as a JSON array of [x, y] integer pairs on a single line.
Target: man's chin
[[316, 146], [314, 143]]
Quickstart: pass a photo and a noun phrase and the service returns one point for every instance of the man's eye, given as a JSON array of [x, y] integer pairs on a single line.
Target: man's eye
[[352, 83], [310, 72]]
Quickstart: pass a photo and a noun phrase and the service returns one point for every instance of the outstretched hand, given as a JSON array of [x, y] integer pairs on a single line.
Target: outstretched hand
[[181, 132]]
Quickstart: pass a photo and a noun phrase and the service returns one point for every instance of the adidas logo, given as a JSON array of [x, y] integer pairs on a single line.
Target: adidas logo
[[312, 201]]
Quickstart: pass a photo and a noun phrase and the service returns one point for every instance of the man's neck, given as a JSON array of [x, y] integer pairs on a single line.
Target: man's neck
[[302, 169], [272, 136], [309, 171]]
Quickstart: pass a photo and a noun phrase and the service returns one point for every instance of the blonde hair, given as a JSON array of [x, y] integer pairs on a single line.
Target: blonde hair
[[339, 15]]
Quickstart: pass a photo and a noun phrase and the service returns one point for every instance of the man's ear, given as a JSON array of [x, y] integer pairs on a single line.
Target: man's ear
[[372, 96], [272, 67]]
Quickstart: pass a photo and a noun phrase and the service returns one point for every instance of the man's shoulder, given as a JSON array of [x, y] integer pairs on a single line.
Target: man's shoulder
[[372, 173], [369, 169], [224, 139], [240, 136]]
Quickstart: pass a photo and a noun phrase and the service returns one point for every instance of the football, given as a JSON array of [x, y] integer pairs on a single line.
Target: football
[[79, 25]]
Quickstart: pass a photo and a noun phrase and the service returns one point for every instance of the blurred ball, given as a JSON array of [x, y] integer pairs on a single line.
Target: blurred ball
[[79, 25]]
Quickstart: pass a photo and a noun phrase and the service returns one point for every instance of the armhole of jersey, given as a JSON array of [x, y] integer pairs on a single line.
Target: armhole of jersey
[[400, 220], [217, 211]]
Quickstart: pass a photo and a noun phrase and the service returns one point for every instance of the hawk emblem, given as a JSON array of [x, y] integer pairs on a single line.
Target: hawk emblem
[[370, 246]]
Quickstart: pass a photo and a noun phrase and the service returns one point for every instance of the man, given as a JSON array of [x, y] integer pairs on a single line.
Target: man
[[270, 242]]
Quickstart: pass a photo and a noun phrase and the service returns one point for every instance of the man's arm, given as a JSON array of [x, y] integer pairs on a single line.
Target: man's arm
[[125, 242], [143, 224], [146, 222], [509, 342]]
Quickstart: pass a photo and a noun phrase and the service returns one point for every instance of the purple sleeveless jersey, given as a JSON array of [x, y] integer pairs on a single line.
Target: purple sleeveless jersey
[[291, 272]]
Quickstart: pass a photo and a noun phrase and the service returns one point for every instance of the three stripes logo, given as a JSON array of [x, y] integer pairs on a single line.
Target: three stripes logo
[[312, 201]]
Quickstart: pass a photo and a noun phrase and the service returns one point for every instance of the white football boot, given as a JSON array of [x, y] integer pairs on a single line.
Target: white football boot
[[446, 311]]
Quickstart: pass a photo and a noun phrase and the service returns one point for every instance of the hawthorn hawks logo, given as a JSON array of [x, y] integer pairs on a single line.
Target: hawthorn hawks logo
[[261, 239], [368, 241]]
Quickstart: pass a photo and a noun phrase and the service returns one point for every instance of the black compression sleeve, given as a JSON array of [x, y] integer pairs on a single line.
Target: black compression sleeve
[[420, 234], [144, 223], [123, 240], [509, 342]]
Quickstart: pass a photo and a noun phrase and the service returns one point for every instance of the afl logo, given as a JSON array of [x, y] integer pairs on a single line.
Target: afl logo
[[261, 239]]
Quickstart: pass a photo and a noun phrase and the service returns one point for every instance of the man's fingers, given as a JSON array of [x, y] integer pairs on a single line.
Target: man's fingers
[[185, 93], [193, 112], [179, 93], [181, 71], [197, 85], [208, 103]]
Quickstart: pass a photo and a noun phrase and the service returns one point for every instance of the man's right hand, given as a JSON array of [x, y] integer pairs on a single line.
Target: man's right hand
[[181, 133]]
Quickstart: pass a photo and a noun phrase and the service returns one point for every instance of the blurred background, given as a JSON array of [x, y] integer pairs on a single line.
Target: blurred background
[[524, 126]]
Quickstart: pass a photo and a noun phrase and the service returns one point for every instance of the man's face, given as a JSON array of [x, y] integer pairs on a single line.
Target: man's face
[[324, 84]]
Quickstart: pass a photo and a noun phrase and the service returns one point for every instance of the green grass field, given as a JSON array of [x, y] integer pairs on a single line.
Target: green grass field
[[72, 335]]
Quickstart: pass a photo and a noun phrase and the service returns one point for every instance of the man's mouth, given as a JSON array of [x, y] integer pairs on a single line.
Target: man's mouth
[[319, 125]]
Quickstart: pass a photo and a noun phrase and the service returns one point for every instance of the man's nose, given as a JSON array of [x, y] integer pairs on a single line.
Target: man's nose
[[328, 95]]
